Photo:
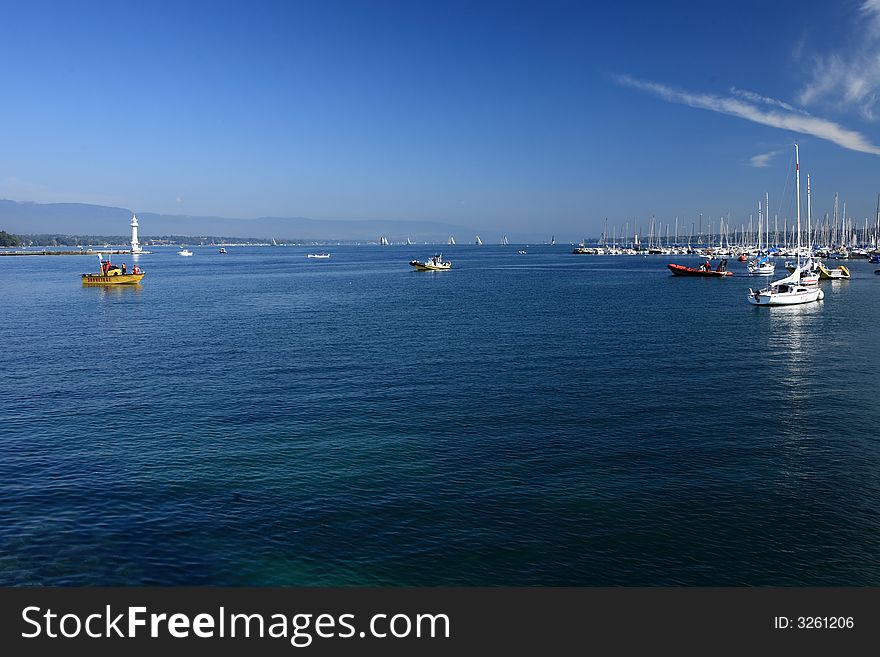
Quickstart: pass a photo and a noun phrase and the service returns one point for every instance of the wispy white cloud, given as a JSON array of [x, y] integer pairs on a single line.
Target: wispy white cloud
[[763, 160], [850, 77], [871, 10], [765, 100], [776, 118]]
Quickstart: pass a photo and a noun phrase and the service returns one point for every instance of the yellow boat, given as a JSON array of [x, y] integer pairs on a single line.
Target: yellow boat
[[837, 273], [111, 274]]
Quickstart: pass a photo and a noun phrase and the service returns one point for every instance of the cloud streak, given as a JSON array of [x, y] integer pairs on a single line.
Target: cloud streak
[[757, 98], [850, 78], [749, 110]]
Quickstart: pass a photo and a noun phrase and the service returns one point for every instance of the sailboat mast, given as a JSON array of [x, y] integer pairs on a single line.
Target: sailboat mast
[[797, 177], [836, 213], [760, 217], [809, 219], [877, 225]]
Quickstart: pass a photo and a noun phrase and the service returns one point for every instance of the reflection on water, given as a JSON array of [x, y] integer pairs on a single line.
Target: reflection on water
[[794, 335], [795, 340], [112, 292]]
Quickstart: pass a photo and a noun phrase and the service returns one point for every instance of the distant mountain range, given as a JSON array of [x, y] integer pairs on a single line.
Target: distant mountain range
[[84, 219]]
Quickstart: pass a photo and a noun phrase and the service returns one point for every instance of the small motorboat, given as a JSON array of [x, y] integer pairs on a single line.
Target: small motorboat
[[836, 274], [874, 259], [681, 270], [521, 252], [434, 263], [184, 252], [111, 274], [222, 250], [319, 255]]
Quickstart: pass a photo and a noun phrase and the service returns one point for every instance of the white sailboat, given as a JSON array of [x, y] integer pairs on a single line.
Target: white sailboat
[[504, 240], [451, 241], [478, 241], [761, 266], [383, 241], [790, 290]]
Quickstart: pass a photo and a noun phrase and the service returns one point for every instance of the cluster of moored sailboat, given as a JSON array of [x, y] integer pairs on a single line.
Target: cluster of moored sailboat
[[836, 238], [801, 282]]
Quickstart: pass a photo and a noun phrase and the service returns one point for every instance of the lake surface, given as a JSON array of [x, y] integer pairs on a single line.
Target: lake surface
[[260, 418]]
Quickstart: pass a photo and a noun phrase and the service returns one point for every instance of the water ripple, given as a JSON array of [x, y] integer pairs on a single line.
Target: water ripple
[[259, 420]]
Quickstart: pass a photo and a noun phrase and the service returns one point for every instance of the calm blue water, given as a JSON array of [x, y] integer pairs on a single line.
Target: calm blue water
[[258, 418]]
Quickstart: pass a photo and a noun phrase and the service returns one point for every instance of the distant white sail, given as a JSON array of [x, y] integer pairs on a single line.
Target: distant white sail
[[478, 241], [451, 240], [383, 241], [504, 240]]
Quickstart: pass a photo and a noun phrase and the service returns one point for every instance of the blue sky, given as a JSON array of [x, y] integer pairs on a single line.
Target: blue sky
[[539, 117]]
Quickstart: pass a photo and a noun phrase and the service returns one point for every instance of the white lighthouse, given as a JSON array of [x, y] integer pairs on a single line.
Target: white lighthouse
[[135, 245]]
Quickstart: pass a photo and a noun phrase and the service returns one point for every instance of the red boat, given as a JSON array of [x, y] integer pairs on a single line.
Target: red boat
[[681, 270]]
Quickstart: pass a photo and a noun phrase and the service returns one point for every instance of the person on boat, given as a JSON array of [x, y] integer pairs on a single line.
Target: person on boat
[[123, 269], [707, 266], [135, 270]]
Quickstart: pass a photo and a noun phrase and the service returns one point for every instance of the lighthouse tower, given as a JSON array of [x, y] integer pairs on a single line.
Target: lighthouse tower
[[135, 245]]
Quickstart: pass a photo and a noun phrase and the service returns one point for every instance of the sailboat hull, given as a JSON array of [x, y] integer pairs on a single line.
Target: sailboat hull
[[792, 297]]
